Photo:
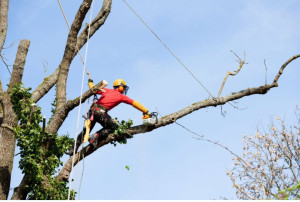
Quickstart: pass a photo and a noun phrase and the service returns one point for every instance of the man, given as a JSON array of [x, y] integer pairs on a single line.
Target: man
[[109, 99]]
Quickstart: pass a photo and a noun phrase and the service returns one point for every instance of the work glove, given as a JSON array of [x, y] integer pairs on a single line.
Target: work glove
[[91, 84], [146, 115]]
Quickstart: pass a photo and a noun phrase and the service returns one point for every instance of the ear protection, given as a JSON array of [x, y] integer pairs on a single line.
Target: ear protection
[[121, 88]]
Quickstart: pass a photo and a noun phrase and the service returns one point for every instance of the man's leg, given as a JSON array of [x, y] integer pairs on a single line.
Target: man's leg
[[108, 124], [80, 138]]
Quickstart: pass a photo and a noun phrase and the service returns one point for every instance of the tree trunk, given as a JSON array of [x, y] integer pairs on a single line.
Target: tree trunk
[[7, 147], [10, 120]]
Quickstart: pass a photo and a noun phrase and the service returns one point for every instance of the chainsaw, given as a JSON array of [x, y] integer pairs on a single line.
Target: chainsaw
[[150, 119]]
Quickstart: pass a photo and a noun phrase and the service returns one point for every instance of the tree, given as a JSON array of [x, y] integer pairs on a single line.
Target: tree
[[77, 38], [269, 167]]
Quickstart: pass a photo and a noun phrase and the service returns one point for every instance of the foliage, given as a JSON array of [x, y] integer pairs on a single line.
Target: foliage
[[289, 192], [40, 151], [53, 108], [270, 165], [120, 132]]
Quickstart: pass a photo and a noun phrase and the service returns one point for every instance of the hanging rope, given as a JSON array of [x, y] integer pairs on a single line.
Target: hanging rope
[[165, 45], [82, 81]]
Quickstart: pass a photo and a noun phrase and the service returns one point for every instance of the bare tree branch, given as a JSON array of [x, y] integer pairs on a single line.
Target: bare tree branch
[[3, 22], [69, 53], [97, 22], [283, 66], [19, 64], [169, 119]]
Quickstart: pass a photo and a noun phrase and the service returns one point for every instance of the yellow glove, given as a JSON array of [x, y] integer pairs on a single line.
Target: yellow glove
[[139, 106], [91, 84], [87, 124], [146, 115]]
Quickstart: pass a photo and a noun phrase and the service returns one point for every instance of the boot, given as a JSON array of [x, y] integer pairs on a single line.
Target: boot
[[93, 140]]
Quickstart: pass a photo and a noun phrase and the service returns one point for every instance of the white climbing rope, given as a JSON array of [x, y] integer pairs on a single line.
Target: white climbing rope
[[81, 92]]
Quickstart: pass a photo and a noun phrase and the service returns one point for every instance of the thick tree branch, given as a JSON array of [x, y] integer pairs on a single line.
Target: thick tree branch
[[169, 119], [19, 64], [69, 53], [62, 113], [3, 22], [97, 22]]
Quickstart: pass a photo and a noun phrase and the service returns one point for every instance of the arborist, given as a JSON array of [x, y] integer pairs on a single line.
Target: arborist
[[98, 112]]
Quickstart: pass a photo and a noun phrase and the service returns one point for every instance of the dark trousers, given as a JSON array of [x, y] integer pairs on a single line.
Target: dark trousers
[[107, 123]]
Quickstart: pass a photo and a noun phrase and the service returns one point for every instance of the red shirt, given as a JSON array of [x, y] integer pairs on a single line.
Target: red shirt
[[112, 97]]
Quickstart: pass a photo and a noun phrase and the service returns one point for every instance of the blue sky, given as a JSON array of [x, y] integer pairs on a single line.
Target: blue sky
[[168, 163]]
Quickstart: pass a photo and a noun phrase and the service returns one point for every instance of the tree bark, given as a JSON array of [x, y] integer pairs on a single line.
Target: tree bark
[[10, 120], [3, 21]]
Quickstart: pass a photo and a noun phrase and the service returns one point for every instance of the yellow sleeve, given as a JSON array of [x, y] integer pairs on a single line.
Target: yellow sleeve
[[91, 85], [139, 106]]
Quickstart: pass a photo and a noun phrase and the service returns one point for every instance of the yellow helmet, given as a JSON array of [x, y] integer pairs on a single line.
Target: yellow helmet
[[121, 85], [119, 82]]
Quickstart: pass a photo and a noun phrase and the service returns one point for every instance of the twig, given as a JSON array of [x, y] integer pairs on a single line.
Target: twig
[[266, 71], [46, 66], [7, 66], [241, 63]]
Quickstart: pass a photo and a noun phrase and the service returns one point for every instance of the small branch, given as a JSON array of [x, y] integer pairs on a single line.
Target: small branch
[[283, 67], [239, 188], [7, 126], [241, 62], [46, 67], [266, 72], [4, 62], [97, 22]]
